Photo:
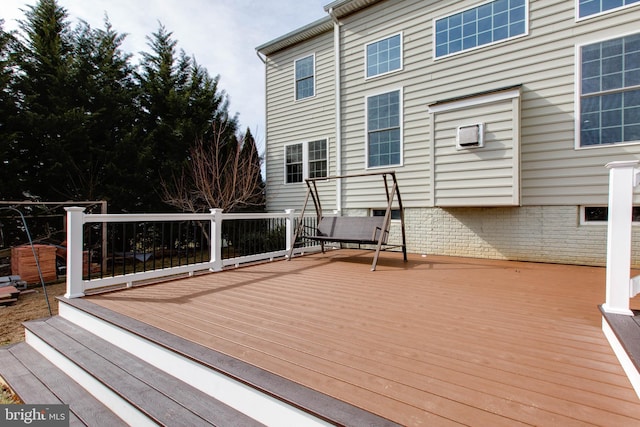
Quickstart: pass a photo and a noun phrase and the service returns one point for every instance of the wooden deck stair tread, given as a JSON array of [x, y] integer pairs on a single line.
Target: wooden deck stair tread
[[307, 399], [163, 398], [37, 381], [627, 329]]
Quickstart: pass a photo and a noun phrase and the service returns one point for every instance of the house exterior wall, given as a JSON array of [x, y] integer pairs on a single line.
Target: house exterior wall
[[291, 121], [536, 167]]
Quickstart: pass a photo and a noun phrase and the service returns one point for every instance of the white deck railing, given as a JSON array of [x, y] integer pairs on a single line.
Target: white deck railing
[[623, 178], [77, 284]]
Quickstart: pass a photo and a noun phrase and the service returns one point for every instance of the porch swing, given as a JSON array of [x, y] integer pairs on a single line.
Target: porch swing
[[360, 230]]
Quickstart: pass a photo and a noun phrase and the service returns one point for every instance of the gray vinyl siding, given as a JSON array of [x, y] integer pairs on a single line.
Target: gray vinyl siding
[[291, 121], [372, 24], [552, 170]]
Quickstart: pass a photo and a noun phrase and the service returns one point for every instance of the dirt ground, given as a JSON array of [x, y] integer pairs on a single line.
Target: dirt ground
[[28, 307]]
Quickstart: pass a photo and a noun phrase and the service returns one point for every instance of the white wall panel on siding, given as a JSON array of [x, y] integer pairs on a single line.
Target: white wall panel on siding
[[482, 176]]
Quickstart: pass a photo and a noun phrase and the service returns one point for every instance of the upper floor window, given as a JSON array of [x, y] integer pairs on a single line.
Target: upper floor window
[[384, 56], [594, 7], [482, 25], [305, 77], [610, 92], [306, 160], [384, 141]]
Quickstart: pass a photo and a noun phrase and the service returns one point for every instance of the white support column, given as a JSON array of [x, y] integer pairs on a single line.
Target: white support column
[[290, 229], [216, 240], [621, 183], [75, 221]]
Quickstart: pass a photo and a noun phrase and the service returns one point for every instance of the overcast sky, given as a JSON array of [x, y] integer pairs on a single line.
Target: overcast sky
[[221, 34]]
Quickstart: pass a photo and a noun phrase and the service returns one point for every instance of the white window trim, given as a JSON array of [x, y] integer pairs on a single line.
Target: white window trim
[[305, 159], [366, 64], [475, 101], [366, 128], [578, 90], [295, 80], [449, 55], [595, 15]]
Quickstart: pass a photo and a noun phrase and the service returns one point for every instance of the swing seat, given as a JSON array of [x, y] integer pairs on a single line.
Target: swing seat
[[351, 229], [369, 230]]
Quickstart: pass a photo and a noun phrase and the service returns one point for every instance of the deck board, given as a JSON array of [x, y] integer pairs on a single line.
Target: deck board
[[433, 341]]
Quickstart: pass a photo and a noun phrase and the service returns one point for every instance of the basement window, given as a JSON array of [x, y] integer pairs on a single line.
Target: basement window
[[600, 214], [395, 213]]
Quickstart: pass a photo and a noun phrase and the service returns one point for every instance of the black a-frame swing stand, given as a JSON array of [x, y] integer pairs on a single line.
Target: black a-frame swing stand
[[361, 230]]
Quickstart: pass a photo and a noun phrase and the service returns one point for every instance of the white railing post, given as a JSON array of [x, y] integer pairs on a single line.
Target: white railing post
[[622, 176], [289, 222], [216, 240], [75, 221]]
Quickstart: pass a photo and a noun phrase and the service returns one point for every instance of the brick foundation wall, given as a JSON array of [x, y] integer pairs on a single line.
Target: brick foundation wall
[[532, 233]]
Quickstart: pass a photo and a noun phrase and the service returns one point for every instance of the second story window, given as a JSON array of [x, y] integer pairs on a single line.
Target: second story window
[[482, 25], [305, 77], [384, 141], [305, 160], [610, 92], [384, 56], [594, 7]]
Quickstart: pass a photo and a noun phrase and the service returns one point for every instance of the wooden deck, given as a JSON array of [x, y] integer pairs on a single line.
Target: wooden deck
[[435, 341]]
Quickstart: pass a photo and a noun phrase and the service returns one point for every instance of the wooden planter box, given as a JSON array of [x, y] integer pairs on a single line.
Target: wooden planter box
[[24, 265]]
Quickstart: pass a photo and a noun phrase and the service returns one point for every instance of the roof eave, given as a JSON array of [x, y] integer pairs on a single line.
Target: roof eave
[[307, 32], [340, 8], [336, 10]]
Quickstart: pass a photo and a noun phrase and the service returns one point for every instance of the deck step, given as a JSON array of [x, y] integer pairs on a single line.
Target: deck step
[[35, 380], [134, 389], [262, 395]]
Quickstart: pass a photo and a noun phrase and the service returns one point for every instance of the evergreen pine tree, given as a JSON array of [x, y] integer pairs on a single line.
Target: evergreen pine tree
[[179, 102], [104, 167], [255, 200], [47, 114], [11, 164]]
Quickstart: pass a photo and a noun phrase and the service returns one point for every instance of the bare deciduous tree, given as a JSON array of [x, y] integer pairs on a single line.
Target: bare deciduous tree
[[224, 172]]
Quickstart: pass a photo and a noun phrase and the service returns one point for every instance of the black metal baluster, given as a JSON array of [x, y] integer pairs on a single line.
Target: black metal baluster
[[87, 245]]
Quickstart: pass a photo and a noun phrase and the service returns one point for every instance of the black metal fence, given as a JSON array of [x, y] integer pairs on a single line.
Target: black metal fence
[[134, 247]]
